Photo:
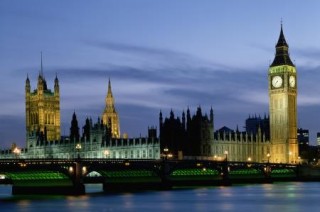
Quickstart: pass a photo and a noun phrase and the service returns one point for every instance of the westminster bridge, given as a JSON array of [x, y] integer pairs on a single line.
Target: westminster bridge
[[65, 176]]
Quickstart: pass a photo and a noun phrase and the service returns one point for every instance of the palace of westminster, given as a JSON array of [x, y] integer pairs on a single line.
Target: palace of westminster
[[270, 138]]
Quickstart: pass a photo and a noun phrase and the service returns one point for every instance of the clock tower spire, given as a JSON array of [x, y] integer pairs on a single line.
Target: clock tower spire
[[283, 105]]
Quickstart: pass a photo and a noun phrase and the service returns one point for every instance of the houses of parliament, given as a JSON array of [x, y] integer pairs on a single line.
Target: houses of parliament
[[270, 138]]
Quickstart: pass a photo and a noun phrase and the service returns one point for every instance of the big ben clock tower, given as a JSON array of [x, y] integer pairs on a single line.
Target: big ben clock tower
[[283, 105]]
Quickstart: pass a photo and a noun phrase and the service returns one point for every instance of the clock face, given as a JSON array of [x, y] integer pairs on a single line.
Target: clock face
[[276, 81], [292, 81]]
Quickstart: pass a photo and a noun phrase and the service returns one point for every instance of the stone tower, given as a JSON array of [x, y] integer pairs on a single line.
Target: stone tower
[[110, 116], [74, 129], [283, 105], [43, 109]]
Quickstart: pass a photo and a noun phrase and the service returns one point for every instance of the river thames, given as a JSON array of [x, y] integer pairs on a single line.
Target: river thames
[[292, 196]]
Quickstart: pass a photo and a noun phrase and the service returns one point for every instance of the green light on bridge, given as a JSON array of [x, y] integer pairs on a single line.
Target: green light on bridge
[[195, 172]]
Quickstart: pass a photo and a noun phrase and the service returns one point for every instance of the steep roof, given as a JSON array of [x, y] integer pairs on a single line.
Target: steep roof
[[282, 40], [282, 52]]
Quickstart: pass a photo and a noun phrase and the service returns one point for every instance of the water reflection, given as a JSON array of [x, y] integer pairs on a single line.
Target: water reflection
[[264, 197]]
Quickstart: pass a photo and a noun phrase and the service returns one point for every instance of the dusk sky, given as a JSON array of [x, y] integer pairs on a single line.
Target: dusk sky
[[159, 55]]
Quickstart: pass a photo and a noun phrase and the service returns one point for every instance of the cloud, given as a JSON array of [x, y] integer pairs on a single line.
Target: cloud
[[135, 49], [155, 57], [306, 57], [312, 52], [268, 49], [158, 88]]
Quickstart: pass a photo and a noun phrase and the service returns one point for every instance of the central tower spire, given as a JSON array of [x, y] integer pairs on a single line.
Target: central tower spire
[[109, 98], [110, 116]]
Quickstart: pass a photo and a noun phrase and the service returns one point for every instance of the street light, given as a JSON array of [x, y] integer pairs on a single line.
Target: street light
[[165, 153], [226, 153], [249, 162], [106, 153], [268, 156], [290, 158], [16, 152], [78, 148]]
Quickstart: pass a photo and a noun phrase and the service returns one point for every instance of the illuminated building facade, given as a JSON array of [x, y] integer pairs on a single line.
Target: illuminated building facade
[[43, 109], [283, 105], [190, 136], [98, 140], [97, 145]]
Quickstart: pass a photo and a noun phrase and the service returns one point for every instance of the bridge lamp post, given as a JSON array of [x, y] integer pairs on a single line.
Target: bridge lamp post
[[84, 170], [299, 159], [16, 152], [165, 154], [226, 153], [71, 169], [268, 156], [78, 148], [106, 153], [249, 162], [268, 168], [290, 157]]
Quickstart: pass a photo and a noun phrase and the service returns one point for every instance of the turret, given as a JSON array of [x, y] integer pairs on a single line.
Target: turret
[[211, 115], [160, 119], [56, 86], [28, 87], [74, 129], [183, 120], [171, 115], [86, 130], [199, 112], [188, 116]]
